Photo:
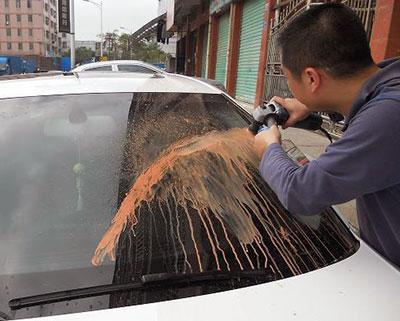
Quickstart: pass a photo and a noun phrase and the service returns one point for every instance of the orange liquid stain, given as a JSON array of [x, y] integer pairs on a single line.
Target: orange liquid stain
[[208, 172]]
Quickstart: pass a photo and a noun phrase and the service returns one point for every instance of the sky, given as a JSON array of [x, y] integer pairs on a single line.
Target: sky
[[130, 14]]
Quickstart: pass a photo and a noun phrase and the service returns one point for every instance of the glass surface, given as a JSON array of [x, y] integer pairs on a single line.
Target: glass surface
[[104, 68], [133, 68], [175, 169]]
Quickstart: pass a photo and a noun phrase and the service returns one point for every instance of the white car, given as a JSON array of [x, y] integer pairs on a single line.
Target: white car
[[195, 233], [119, 65]]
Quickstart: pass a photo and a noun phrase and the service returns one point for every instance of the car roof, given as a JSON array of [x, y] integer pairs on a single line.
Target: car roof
[[116, 62], [98, 82]]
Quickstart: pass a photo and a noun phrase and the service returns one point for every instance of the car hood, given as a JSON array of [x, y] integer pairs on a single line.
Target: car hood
[[361, 287]]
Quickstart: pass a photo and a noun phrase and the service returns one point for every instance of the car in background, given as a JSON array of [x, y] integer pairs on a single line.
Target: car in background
[[135, 66], [98, 219], [119, 65]]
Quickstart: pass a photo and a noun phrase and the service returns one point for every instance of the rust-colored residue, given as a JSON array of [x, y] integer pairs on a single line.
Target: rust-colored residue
[[192, 163]]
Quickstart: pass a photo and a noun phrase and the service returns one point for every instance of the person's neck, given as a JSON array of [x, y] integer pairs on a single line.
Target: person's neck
[[350, 89]]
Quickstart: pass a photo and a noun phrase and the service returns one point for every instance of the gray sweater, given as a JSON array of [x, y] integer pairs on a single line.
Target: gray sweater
[[363, 165]]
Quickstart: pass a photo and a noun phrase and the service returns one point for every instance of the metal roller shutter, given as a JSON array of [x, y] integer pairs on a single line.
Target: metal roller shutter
[[249, 50], [222, 48], [205, 49]]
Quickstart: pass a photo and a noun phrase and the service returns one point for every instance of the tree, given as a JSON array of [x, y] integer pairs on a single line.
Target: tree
[[149, 52], [82, 55], [112, 45], [125, 46]]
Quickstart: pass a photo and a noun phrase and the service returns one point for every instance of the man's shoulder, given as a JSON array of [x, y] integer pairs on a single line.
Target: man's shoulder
[[383, 106]]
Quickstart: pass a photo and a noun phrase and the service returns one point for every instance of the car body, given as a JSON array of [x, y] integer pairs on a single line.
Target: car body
[[76, 145], [119, 65]]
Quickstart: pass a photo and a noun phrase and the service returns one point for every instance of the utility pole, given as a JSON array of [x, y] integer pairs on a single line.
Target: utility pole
[[72, 34], [101, 29], [100, 6]]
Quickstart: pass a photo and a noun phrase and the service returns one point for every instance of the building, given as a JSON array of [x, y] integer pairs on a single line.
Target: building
[[88, 44], [29, 27], [234, 41], [170, 47]]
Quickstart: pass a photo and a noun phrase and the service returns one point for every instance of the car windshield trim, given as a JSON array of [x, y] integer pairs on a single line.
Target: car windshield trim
[[146, 282]]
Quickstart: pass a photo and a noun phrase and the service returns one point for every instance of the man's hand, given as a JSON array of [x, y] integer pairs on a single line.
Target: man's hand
[[297, 110], [266, 138]]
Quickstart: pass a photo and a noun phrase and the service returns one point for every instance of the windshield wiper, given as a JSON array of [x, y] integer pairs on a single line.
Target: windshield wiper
[[146, 282]]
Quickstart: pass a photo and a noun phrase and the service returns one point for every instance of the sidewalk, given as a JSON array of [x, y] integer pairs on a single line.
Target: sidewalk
[[313, 145]]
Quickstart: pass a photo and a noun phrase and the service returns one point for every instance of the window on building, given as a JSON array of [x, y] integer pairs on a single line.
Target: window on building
[[30, 32], [8, 32], [7, 3], [64, 45], [55, 26], [47, 21], [29, 3], [20, 47], [47, 34], [30, 18], [46, 7], [18, 3], [19, 32], [7, 19], [64, 34], [48, 47], [9, 46], [19, 18], [31, 46]]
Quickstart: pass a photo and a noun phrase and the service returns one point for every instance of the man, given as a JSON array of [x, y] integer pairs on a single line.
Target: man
[[327, 61]]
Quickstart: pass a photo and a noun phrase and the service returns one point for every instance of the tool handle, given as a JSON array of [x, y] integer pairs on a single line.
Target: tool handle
[[312, 122]]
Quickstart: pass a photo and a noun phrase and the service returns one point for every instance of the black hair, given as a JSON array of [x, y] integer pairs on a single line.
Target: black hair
[[328, 36]]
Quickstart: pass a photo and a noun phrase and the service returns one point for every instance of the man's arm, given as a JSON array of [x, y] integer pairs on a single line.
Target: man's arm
[[364, 160]]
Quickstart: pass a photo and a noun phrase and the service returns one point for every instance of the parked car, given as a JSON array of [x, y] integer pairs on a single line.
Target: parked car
[[119, 65], [135, 66], [195, 232]]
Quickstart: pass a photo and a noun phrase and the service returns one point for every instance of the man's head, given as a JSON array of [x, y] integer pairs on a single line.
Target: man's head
[[325, 44]]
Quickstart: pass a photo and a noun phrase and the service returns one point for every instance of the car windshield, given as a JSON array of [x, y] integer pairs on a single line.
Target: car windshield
[[105, 188]]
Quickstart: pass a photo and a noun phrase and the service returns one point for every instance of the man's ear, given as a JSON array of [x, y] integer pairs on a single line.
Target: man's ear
[[312, 79]]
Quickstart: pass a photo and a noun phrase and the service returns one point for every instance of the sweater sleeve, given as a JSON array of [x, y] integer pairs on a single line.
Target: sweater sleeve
[[365, 160]]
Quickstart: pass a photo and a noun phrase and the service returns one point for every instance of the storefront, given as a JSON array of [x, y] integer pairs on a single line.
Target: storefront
[[204, 52], [222, 47], [249, 49]]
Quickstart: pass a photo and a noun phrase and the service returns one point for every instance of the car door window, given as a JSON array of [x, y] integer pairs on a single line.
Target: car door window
[[135, 68], [104, 68]]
